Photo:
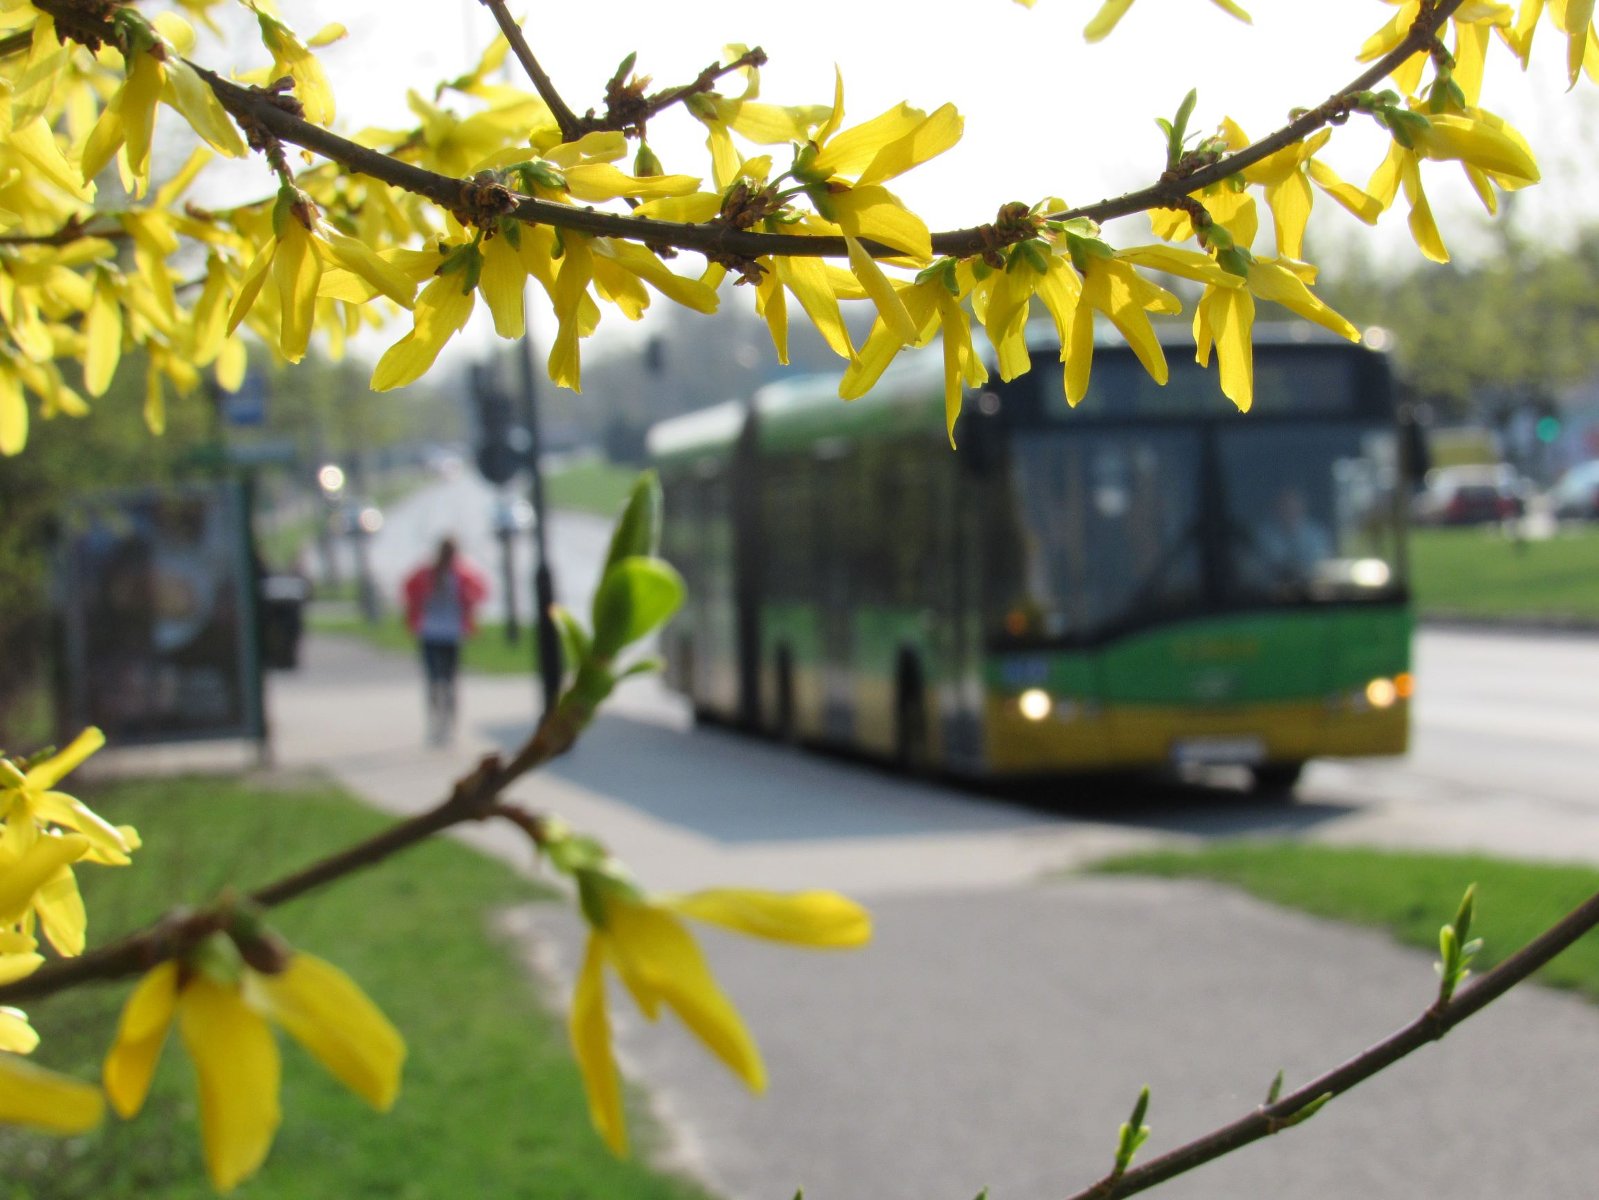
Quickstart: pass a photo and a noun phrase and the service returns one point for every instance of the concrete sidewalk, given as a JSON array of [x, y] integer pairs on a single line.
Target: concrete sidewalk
[[1000, 1026]]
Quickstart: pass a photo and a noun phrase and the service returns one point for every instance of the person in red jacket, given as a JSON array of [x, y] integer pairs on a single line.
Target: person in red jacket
[[441, 600]]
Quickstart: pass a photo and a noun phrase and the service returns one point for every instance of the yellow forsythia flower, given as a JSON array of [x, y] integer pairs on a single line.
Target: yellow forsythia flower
[[44, 832], [641, 938], [223, 1009]]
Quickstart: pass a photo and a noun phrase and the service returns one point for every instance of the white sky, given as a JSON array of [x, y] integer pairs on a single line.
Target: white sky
[[1046, 114]]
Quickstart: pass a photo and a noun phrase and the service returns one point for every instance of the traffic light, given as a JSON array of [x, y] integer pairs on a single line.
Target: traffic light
[[500, 453]]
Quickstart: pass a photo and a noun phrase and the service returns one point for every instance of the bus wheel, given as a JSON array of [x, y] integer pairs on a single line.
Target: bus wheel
[[911, 751], [1277, 779], [784, 724]]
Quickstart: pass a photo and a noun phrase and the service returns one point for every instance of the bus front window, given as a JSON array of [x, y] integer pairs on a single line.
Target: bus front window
[[1309, 512], [1096, 530]]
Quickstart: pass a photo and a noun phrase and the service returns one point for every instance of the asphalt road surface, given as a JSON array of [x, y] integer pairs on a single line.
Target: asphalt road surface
[[998, 1030]]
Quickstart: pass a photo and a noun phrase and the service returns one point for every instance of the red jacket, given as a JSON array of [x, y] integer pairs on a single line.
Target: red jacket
[[469, 585]]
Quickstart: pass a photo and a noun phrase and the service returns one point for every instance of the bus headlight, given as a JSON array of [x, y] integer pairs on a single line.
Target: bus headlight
[[1034, 704], [1381, 693]]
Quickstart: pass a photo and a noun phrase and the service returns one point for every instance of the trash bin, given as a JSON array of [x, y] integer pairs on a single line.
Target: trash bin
[[283, 599]]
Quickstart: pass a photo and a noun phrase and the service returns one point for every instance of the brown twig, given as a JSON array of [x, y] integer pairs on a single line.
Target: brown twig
[[73, 229], [571, 127], [1429, 1027], [755, 57], [1423, 34]]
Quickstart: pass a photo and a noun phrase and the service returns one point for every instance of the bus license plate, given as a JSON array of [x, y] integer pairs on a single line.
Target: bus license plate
[[1218, 751]]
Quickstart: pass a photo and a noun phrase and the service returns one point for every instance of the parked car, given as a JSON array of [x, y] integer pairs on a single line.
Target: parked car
[[1576, 493], [1470, 495]]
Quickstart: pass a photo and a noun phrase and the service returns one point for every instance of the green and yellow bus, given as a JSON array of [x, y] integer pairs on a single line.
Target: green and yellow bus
[[1150, 580]]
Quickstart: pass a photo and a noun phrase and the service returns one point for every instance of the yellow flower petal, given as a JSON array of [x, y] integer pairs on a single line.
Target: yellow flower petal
[[61, 913], [322, 1009], [441, 311], [1105, 19], [807, 279], [23, 879], [690, 210], [193, 97], [30, 1095], [571, 289], [889, 306], [691, 293], [16, 1035], [661, 952], [771, 303], [255, 276], [818, 918], [503, 283], [1224, 317], [141, 1032], [297, 271], [883, 344], [590, 1028], [59, 765], [13, 414], [875, 213], [236, 1062], [360, 259], [595, 182], [1275, 281], [15, 966]]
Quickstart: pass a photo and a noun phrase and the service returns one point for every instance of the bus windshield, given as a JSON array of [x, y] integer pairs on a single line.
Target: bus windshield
[[1103, 528]]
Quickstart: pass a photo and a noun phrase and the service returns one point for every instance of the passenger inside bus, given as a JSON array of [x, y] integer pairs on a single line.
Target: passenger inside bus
[[1289, 544]]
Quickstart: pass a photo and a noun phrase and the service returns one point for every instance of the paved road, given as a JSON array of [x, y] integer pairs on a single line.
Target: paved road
[[1006, 1015]]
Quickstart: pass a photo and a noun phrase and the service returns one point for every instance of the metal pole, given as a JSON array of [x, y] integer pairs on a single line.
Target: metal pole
[[548, 641], [513, 626]]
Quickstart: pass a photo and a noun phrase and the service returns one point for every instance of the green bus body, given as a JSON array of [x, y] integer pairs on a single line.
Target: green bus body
[[1150, 580]]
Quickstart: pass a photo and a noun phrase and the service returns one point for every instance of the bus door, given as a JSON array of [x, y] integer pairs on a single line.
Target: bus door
[[837, 522], [1142, 526]]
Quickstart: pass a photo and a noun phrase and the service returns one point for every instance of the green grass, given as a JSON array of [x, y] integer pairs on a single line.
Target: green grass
[[1410, 895], [491, 1104], [1478, 572], [590, 485], [487, 651]]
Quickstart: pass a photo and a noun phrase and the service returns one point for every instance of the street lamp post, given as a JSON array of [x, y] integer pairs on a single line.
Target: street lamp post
[[548, 641]]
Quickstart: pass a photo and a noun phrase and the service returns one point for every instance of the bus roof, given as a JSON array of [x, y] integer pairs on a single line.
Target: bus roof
[[704, 431], [910, 396]]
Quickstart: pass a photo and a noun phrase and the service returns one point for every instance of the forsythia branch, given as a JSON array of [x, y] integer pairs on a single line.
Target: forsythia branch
[[571, 126], [719, 240], [474, 797]]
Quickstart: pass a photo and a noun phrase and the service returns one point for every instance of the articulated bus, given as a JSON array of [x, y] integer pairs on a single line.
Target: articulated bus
[[1149, 580]]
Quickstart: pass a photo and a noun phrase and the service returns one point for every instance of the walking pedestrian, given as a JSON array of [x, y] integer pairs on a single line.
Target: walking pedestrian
[[441, 598]]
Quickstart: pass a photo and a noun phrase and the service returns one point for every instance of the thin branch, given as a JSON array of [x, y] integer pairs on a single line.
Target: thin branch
[[571, 127], [1421, 37], [72, 230], [474, 797], [755, 57], [1429, 1027], [16, 43]]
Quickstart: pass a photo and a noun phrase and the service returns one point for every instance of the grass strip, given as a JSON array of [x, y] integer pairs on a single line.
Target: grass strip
[[1479, 572], [1408, 894], [491, 1103], [589, 485]]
